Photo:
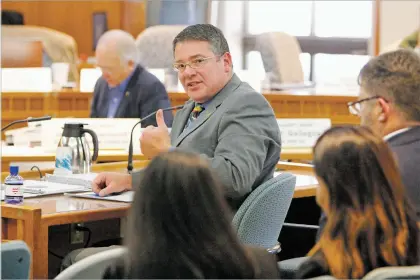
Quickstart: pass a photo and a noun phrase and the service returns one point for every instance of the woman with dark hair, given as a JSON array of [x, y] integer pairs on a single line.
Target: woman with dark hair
[[370, 222], [180, 227]]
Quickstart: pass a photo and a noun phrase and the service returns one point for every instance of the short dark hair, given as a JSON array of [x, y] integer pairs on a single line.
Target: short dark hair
[[395, 76], [204, 32], [180, 224]]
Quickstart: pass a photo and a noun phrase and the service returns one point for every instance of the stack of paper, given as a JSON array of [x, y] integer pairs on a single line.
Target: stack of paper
[[121, 197]]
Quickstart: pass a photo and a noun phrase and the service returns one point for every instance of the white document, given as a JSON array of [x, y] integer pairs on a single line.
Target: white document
[[123, 197], [88, 78], [84, 180], [302, 180], [32, 188]]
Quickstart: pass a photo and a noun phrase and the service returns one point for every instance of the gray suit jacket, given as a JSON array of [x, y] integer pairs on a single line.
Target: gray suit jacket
[[237, 133]]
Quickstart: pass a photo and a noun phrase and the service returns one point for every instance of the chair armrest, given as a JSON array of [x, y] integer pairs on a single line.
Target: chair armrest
[[303, 226], [275, 249]]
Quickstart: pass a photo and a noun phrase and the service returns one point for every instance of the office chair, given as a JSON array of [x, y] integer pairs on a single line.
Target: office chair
[[92, 267], [155, 46], [15, 260], [260, 218], [280, 55], [396, 272]]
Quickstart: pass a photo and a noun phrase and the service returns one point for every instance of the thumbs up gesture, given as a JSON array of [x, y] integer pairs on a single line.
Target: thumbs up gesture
[[160, 119], [155, 140]]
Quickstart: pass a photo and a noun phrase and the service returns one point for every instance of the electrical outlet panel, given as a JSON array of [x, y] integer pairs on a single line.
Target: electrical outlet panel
[[76, 236]]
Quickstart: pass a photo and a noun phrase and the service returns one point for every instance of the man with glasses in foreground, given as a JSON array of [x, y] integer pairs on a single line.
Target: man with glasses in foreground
[[389, 104], [226, 121]]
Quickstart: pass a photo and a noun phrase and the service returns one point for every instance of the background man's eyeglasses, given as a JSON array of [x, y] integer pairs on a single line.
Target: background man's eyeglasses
[[355, 107]]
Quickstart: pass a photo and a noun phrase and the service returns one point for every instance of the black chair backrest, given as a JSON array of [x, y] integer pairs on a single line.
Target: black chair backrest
[[11, 18]]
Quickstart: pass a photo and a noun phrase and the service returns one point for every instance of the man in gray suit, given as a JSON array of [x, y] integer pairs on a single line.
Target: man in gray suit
[[226, 121]]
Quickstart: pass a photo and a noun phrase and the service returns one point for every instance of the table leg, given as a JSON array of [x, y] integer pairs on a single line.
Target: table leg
[[40, 253]]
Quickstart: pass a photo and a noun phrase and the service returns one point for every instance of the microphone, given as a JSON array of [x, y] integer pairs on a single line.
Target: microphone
[[130, 147], [30, 119]]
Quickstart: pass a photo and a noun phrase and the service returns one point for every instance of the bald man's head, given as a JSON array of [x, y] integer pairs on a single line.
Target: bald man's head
[[116, 55]]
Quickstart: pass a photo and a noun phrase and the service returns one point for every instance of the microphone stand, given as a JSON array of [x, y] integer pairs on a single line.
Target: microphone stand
[[130, 146], [30, 119]]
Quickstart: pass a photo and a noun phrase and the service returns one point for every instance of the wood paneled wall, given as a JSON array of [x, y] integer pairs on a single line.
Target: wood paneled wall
[[75, 17]]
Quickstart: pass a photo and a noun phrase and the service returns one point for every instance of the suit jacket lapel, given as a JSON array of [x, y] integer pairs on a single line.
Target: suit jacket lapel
[[211, 108], [128, 94], [183, 116], [104, 109]]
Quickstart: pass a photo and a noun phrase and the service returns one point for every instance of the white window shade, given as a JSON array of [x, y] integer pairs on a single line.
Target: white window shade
[[345, 19], [292, 17]]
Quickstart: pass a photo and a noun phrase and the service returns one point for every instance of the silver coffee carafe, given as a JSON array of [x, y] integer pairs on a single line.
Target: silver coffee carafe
[[73, 151]]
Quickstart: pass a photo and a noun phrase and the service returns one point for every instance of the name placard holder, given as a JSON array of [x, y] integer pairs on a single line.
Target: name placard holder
[[302, 133], [113, 134], [33, 79]]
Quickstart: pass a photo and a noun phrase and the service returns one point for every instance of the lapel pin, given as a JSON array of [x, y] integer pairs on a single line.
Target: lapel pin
[[127, 93]]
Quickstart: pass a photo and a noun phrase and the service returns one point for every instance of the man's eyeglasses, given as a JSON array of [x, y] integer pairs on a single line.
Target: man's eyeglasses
[[194, 64], [356, 106]]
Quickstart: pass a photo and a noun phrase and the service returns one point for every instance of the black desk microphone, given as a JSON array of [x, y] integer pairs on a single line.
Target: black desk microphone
[[30, 119], [130, 147]]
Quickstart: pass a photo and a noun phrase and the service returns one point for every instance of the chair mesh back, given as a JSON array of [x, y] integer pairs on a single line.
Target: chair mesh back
[[260, 218], [155, 46]]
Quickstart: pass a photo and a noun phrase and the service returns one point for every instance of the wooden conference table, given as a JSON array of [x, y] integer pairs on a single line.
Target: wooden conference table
[[18, 154], [30, 221]]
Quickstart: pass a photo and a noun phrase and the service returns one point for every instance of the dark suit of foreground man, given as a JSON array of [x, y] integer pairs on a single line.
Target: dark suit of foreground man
[[125, 90], [226, 121]]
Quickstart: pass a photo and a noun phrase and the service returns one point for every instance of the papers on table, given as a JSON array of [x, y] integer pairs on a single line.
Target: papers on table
[[302, 180], [55, 185], [121, 197]]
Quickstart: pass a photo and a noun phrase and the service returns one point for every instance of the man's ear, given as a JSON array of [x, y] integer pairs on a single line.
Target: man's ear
[[385, 110], [227, 62], [131, 64]]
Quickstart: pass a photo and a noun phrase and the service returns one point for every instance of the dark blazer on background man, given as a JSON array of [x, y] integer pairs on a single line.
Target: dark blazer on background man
[[406, 147], [144, 95]]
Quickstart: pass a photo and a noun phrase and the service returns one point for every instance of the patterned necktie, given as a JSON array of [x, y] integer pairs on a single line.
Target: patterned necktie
[[196, 111]]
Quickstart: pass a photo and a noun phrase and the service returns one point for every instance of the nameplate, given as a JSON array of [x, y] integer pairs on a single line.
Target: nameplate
[[302, 133], [88, 78], [113, 134], [36, 79]]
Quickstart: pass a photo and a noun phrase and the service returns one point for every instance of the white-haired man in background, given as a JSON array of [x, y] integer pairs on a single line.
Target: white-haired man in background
[[126, 89]]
